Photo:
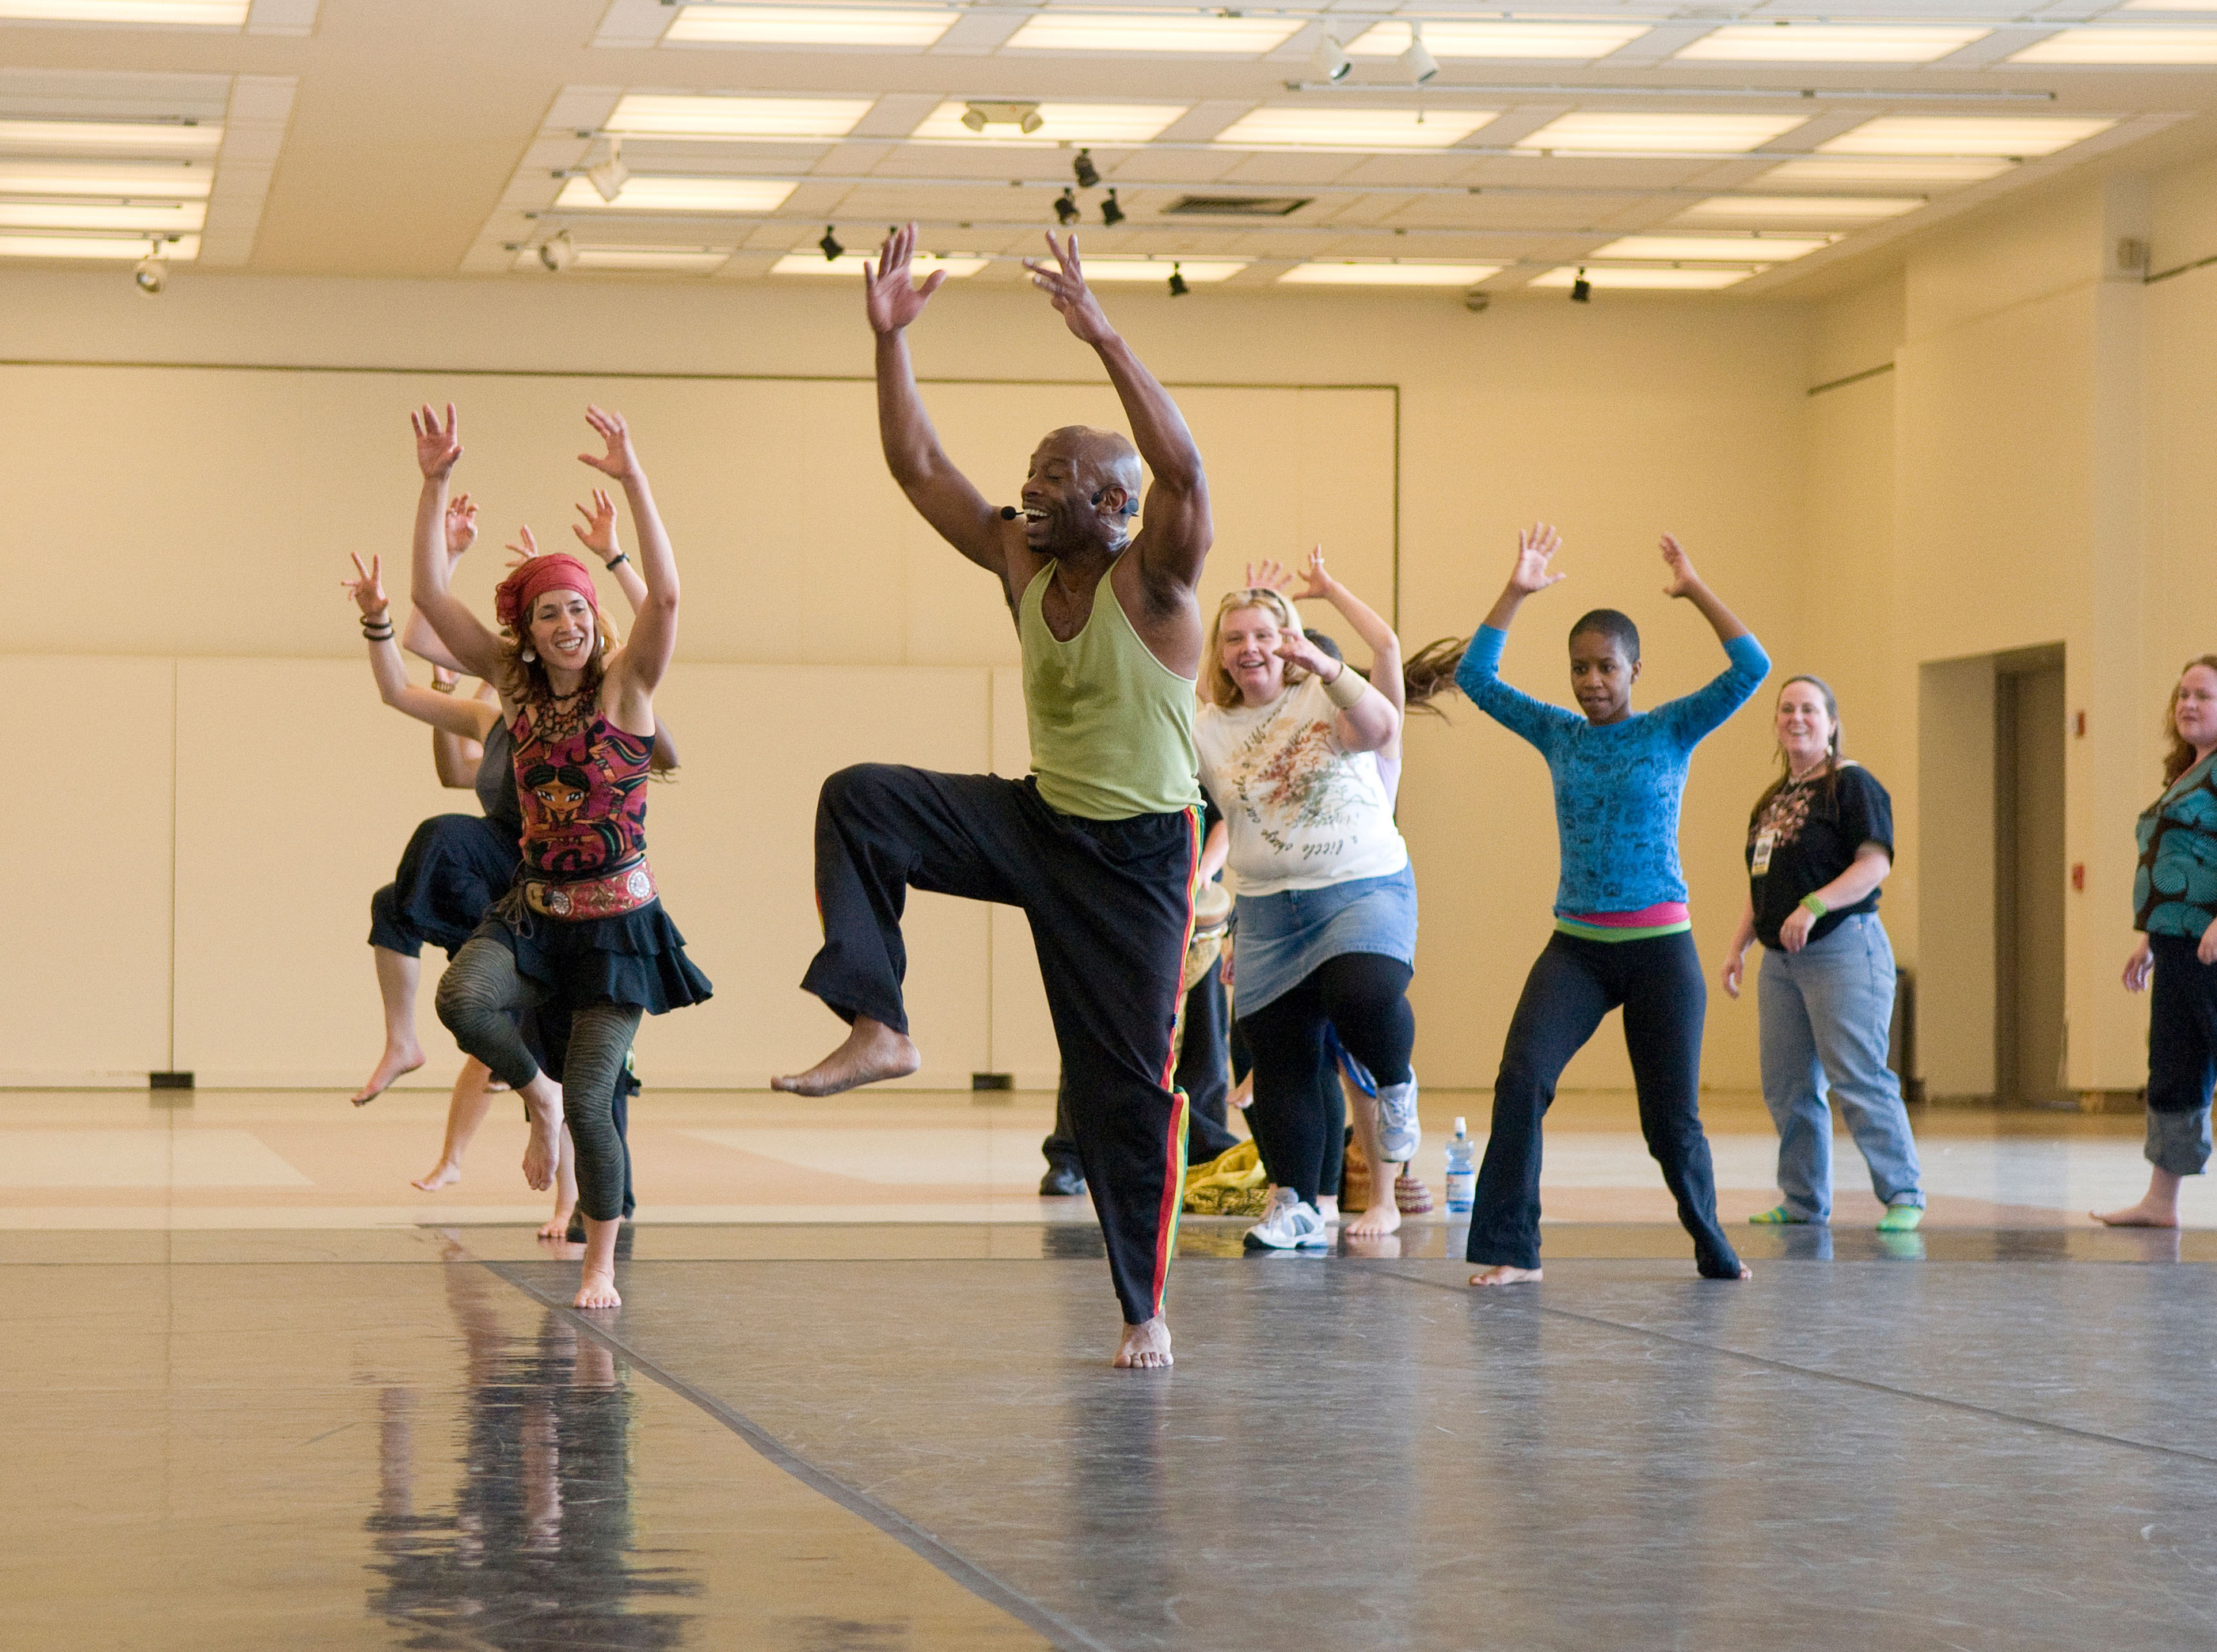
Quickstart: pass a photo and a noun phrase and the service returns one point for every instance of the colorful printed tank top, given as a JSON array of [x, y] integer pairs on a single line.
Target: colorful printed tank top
[[583, 796]]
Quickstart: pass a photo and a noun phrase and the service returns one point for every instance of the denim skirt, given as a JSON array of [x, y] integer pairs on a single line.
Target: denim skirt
[[1278, 940]]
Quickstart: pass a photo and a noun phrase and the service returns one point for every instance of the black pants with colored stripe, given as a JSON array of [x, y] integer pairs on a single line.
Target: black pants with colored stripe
[[1110, 904]]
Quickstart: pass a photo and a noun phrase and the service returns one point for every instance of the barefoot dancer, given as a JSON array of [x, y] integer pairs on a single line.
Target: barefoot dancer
[[1621, 933], [1099, 846], [582, 929], [2175, 909]]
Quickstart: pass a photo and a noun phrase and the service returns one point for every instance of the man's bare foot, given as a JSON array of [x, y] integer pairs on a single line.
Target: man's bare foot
[[557, 1226], [1145, 1347], [445, 1173], [1383, 1218], [397, 1063], [1502, 1273], [542, 1154], [597, 1289], [2148, 1213], [871, 1051]]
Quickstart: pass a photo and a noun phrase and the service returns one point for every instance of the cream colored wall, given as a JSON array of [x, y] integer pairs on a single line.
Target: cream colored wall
[[209, 509]]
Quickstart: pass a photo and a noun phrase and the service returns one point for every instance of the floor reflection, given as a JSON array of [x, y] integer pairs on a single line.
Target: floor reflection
[[534, 1546]]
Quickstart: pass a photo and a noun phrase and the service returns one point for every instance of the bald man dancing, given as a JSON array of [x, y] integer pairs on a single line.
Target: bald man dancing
[[1099, 844]]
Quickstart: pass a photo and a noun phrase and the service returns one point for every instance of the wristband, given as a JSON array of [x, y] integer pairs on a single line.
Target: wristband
[[1813, 907], [1346, 688], [618, 560]]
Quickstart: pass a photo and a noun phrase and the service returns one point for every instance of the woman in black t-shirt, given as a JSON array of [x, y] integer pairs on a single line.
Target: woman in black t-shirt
[[1819, 843]]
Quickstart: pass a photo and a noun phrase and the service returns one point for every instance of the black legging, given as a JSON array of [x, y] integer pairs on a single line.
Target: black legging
[[1365, 997], [476, 994]]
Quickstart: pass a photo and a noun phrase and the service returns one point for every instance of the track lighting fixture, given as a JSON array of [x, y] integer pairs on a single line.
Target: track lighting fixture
[[1417, 61], [1111, 213], [830, 245], [1178, 288], [1066, 206], [983, 112], [152, 274], [608, 174], [1581, 289], [1087, 174], [1331, 61], [557, 252]]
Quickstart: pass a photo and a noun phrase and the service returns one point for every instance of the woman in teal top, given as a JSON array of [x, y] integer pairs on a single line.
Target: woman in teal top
[[2174, 901]]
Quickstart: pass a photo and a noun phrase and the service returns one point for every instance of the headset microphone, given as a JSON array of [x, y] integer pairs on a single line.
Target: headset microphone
[[1010, 513]]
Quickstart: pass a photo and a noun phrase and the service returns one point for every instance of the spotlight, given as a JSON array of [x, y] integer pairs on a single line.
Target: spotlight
[[1581, 289], [1331, 61], [557, 252], [1475, 301], [1066, 206], [151, 274], [988, 112], [608, 174], [1087, 174], [1110, 211], [1178, 288], [1031, 120], [830, 245], [974, 118], [1417, 61]]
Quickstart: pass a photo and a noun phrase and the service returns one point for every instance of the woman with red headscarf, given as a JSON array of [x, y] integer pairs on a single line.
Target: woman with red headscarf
[[582, 927]]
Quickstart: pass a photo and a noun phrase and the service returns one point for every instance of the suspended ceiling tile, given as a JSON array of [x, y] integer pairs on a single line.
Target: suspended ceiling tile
[[634, 23]]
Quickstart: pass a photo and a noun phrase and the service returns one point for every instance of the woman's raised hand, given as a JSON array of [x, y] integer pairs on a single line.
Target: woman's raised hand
[[1316, 582], [1294, 648], [367, 588], [618, 461], [1536, 548], [461, 526], [1268, 575], [598, 532], [1684, 580], [525, 551], [437, 446], [890, 299]]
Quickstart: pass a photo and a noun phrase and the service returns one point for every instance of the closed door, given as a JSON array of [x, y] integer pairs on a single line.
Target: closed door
[[2028, 865]]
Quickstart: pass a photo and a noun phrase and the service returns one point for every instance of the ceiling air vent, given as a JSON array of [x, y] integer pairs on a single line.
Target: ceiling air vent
[[1236, 206]]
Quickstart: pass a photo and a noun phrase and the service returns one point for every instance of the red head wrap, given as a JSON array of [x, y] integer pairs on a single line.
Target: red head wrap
[[512, 600]]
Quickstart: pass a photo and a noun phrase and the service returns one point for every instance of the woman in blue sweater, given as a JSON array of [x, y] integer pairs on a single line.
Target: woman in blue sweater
[[1622, 936]]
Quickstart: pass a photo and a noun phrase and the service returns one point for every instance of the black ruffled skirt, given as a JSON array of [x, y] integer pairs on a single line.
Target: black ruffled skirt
[[638, 958], [454, 868]]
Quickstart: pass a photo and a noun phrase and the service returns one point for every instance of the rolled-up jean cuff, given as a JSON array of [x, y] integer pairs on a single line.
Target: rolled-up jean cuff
[[2178, 1142]]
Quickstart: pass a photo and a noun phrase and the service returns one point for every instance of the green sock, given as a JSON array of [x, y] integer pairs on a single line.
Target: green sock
[[1900, 1218], [1779, 1217]]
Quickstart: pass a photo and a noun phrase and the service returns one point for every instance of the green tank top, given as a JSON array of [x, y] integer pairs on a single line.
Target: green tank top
[[1111, 725]]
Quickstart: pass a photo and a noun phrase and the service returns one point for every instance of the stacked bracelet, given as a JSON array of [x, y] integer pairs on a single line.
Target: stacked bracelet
[[378, 628]]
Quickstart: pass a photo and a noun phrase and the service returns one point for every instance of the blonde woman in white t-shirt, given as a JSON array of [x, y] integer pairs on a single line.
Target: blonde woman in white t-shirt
[[1325, 930]]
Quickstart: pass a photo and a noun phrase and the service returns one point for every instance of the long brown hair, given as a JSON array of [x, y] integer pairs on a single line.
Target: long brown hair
[[1430, 672], [526, 681], [2180, 756], [1832, 746]]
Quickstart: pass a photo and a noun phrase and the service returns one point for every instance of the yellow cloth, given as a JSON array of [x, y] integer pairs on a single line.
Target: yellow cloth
[[1233, 1183]]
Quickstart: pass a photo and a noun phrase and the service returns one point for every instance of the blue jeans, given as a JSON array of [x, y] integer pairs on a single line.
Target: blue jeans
[[1825, 1011]]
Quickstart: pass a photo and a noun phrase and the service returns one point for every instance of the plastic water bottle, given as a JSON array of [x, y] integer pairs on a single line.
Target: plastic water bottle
[[1462, 1178]]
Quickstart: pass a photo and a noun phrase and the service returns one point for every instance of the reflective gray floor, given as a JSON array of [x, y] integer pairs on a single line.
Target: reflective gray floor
[[815, 1440]]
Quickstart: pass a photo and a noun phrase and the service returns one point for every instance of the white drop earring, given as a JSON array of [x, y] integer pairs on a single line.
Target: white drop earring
[[529, 658]]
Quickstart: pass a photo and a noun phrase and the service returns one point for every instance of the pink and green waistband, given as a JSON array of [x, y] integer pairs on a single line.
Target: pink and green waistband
[[1667, 918]]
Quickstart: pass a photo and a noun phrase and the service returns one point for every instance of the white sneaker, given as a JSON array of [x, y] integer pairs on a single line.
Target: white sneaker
[[1290, 1223], [1399, 1134]]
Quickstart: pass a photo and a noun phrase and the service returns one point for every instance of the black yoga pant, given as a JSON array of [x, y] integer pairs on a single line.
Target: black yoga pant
[[477, 996], [1572, 985], [1110, 904], [1364, 997]]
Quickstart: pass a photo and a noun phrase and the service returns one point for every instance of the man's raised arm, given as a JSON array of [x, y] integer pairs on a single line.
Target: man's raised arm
[[1175, 531], [942, 495]]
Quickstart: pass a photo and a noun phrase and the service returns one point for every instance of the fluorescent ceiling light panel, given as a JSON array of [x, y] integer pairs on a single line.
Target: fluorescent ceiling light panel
[[810, 262], [1683, 280], [1820, 170], [1799, 209], [692, 261], [1354, 128], [2169, 5], [167, 14], [1827, 43], [2004, 136], [110, 178], [108, 137], [664, 193], [1715, 249], [1158, 269], [130, 248], [163, 216], [1239, 37], [2150, 45], [808, 26], [1562, 42], [1632, 134], [1076, 123], [1375, 275], [653, 115]]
